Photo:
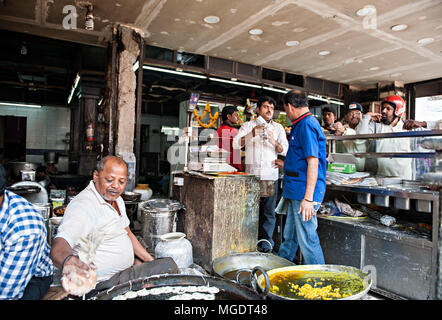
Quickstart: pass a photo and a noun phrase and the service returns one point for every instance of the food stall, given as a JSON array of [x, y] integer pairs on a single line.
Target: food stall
[[386, 226]]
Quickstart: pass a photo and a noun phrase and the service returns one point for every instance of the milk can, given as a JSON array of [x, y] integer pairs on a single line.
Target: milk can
[[157, 218], [176, 246]]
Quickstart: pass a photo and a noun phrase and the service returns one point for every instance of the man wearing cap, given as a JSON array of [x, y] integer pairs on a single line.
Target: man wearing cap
[[226, 132], [351, 126], [25, 266], [329, 118]]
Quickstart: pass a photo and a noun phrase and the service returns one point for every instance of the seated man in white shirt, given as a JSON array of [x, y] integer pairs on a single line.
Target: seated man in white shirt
[[263, 139], [99, 208]]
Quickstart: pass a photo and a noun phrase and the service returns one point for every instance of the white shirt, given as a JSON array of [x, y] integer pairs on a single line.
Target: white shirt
[[260, 153], [390, 167], [89, 211]]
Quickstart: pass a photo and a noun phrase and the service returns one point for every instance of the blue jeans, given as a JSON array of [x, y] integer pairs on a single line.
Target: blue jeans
[[267, 219], [303, 233]]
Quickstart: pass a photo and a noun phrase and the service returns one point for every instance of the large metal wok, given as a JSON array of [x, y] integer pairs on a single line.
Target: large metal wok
[[344, 277], [228, 290], [238, 266]]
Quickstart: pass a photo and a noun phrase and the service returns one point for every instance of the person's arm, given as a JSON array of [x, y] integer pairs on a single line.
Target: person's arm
[[279, 148], [139, 251], [62, 255], [306, 208], [366, 125]]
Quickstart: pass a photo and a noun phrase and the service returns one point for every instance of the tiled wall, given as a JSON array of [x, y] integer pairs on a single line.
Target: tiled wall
[[46, 129]]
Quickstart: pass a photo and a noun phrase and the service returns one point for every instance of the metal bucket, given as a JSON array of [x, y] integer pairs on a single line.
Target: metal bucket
[[157, 218]]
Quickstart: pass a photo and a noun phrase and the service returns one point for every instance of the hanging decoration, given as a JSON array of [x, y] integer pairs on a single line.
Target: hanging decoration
[[213, 118]]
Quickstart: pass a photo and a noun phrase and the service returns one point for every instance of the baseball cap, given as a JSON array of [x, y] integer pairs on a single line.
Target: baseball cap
[[353, 106]]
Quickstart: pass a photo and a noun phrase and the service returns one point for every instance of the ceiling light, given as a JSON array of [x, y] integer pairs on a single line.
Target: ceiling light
[[399, 27], [367, 10], [236, 82], [256, 32], [11, 104], [192, 75], [211, 19], [324, 53], [397, 74], [425, 40], [373, 68], [292, 43], [275, 90]]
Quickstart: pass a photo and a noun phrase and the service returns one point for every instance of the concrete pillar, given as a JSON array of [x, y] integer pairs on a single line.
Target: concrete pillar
[[126, 98]]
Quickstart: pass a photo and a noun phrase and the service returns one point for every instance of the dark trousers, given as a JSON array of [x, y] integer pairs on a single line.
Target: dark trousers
[[267, 218], [37, 288]]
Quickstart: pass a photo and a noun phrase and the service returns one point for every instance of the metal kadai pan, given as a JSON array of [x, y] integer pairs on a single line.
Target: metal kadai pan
[[283, 283], [238, 266]]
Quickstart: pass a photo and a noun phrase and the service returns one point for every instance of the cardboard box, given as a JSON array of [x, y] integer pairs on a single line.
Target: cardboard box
[[341, 162], [341, 167]]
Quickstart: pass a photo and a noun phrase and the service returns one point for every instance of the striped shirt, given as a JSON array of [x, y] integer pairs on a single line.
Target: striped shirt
[[24, 251]]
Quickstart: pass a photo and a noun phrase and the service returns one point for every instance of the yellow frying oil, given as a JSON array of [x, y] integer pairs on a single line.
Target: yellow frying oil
[[325, 285]]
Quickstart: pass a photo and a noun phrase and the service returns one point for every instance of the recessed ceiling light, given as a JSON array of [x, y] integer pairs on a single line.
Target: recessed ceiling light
[[324, 53], [397, 74], [425, 40], [292, 43], [365, 11], [399, 27], [373, 68], [255, 31], [211, 19]]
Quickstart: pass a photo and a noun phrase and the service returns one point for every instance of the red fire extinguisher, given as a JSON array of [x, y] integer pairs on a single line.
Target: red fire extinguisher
[[90, 132]]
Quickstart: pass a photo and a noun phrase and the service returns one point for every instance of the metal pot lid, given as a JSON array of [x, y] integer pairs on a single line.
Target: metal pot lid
[[162, 205]]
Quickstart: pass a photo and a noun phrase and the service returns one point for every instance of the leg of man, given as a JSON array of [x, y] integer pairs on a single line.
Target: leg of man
[[308, 238], [289, 246], [37, 287], [267, 219], [146, 269]]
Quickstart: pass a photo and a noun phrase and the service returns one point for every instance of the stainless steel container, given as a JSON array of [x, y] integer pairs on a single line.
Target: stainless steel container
[[51, 157], [27, 175], [402, 203], [16, 167], [423, 206], [364, 198], [382, 201], [176, 246], [158, 218]]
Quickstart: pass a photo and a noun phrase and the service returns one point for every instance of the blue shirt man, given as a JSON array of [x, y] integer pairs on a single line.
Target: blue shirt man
[[25, 265], [304, 180]]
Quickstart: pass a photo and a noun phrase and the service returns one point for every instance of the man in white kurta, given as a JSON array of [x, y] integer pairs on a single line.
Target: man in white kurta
[[263, 139]]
